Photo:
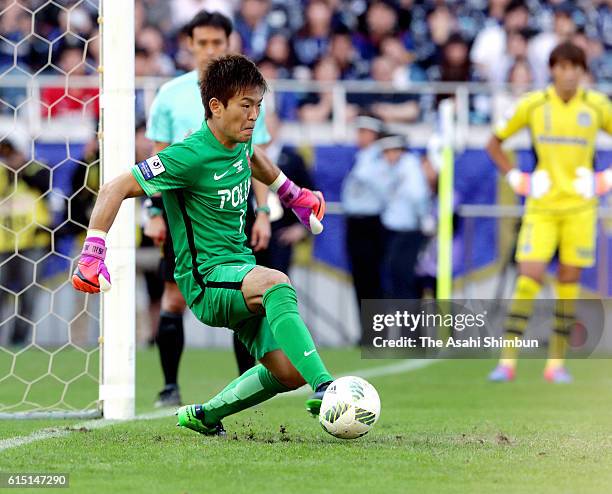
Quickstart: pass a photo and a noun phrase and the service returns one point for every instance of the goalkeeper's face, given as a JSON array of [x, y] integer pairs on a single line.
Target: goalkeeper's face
[[567, 76], [206, 44], [237, 120]]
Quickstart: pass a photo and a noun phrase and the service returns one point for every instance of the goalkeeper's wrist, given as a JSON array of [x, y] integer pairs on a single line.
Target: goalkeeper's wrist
[[278, 182], [512, 175], [92, 232], [95, 244], [514, 178], [287, 191]]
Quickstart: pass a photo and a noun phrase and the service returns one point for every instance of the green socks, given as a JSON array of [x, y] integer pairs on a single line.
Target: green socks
[[253, 387], [292, 335], [258, 384]]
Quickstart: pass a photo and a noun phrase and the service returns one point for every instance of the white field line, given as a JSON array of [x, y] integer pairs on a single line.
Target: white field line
[[383, 370]]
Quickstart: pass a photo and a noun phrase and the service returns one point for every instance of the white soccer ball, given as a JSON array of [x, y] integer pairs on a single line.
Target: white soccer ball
[[350, 408]]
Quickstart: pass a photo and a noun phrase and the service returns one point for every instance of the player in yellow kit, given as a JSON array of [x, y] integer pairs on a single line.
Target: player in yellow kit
[[561, 206]]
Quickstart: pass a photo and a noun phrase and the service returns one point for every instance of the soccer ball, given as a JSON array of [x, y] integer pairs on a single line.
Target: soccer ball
[[350, 408]]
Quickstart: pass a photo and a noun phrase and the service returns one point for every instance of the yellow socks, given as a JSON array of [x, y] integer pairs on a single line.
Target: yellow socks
[[565, 316], [521, 309]]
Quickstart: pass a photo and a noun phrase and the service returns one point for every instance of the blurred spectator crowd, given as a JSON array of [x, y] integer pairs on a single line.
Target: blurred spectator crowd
[[398, 42], [406, 40]]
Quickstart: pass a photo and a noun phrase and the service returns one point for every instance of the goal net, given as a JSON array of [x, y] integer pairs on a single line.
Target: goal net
[[52, 137]]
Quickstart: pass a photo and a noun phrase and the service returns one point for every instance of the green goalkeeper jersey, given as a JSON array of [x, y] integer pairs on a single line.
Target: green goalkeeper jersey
[[205, 187]]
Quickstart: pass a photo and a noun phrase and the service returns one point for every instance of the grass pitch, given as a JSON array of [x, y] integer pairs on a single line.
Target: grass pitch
[[443, 428]]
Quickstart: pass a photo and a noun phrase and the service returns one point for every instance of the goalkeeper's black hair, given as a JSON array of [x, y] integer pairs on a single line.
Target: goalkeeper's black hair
[[227, 76], [208, 19], [568, 52]]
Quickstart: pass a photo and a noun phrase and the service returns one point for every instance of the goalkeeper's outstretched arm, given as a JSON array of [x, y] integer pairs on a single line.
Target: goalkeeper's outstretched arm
[[109, 200], [91, 274]]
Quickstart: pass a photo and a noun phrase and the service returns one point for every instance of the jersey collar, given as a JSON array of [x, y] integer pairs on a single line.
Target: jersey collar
[[553, 95], [212, 140]]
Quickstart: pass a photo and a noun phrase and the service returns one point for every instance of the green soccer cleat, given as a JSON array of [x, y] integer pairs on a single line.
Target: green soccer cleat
[[192, 417], [313, 404]]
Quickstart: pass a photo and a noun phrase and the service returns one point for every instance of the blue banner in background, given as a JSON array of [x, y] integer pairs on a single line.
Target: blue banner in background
[[63, 160], [330, 165], [476, 182]]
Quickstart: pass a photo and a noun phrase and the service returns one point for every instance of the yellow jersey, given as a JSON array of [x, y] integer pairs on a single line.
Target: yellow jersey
[[563, 137], [23, 215]]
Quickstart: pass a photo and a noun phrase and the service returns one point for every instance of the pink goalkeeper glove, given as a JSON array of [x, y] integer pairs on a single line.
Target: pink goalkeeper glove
[[91, 275], [308, 206]]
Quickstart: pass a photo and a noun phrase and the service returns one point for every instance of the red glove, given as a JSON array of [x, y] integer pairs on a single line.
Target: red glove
[[91, 274]]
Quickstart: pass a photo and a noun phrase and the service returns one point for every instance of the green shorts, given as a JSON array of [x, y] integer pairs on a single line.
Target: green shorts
[[223, 305]]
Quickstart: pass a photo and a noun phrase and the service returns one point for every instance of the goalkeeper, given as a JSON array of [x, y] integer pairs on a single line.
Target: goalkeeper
[[175, 113], [561, 207], [205, 181]]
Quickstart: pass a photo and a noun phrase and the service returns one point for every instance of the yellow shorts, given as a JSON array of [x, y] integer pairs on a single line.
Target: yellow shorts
[[572, 233]]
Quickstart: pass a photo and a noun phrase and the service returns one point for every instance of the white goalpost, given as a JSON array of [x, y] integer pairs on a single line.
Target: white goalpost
[[118, 322]]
